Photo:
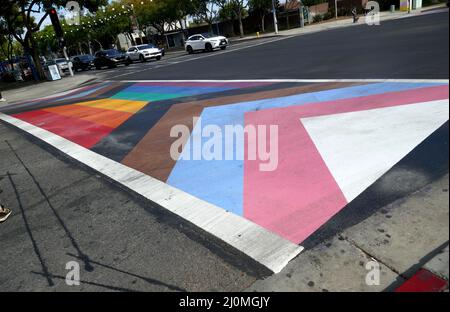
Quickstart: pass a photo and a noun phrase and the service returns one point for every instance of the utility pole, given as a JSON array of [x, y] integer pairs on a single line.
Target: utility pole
[[302, 18], [275, 22], [335, 9]]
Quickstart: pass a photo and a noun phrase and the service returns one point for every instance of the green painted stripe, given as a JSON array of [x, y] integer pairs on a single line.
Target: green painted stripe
[[139, 96]]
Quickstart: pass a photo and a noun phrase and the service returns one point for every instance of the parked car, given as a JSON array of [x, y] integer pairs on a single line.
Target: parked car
[[47, 63], [110, 58], [63, 64], [52, 62], [205, 42], [83, 62], [144, 52]]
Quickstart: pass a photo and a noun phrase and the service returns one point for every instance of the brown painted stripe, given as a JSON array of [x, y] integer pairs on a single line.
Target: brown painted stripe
[[152, 154]]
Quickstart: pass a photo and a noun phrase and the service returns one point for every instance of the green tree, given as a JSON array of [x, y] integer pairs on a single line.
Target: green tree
[[234, 9], [46, 40], [261, 8], [162, 14], [104, 27], [18, 16], [205, 11], [8, 46]]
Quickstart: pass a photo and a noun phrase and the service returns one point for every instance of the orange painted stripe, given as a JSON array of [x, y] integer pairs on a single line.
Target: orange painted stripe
[[105, 117]]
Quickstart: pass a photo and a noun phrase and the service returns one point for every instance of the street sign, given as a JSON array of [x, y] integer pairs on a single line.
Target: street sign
[[53, 72]]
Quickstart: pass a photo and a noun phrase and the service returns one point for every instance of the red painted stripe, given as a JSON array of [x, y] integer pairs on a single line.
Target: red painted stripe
[[107, 117], [423, 281], [79, 131]]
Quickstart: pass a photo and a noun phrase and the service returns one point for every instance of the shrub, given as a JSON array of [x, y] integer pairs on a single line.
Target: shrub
[[328, 15], [317, 18]]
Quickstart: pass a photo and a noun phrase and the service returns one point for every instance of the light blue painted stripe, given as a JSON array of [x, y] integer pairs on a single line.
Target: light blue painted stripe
[[220, 182], [84, 93]]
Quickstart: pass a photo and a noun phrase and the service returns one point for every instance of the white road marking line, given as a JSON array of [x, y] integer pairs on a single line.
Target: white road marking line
[[292, 80], [245, 46], [267, 248], [212, 54]]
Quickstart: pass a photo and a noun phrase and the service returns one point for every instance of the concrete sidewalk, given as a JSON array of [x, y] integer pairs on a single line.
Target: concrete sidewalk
[[33, 90], [402, 238], [432, 277], [339, 23]]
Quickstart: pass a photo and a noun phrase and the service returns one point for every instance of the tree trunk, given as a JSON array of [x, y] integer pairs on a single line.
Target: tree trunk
[[263, 29], [287, 19], [10, 52], [241, 27], [232, 26], [210, 24], [99, 44], [37, 62]]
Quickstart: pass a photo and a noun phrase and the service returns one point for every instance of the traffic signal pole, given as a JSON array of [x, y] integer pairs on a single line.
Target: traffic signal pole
[[59, 35]]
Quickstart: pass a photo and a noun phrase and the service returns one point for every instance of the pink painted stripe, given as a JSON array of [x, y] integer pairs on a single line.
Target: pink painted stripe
[[301, 194], [388, 99]]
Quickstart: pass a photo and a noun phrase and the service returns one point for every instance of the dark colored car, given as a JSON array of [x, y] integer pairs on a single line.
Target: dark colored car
[[110, 58], [83, 62]]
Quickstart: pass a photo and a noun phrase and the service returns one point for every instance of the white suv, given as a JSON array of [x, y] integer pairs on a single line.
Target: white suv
[[143, 53], [205, 42]]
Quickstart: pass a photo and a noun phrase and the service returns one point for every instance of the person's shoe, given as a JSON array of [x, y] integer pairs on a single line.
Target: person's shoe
[[2, 100], [4, 213]]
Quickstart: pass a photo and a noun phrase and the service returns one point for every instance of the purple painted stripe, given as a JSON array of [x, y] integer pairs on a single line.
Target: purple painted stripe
[[205, 84]]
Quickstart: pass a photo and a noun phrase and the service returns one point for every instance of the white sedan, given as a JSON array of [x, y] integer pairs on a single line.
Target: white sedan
[[143, 53], [205, 42]]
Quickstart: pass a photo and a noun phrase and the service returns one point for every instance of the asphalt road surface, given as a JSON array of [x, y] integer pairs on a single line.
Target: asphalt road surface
[[414, 48], [63, 212]]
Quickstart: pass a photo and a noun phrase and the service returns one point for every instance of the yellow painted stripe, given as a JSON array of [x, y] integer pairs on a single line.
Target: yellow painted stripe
[[115, 104]]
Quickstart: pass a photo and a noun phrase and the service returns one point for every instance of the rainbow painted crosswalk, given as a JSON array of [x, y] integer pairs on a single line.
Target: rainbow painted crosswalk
[[335, 139]]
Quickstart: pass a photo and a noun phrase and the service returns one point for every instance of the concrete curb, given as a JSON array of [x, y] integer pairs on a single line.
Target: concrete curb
[[45, 89], [254, 38]]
